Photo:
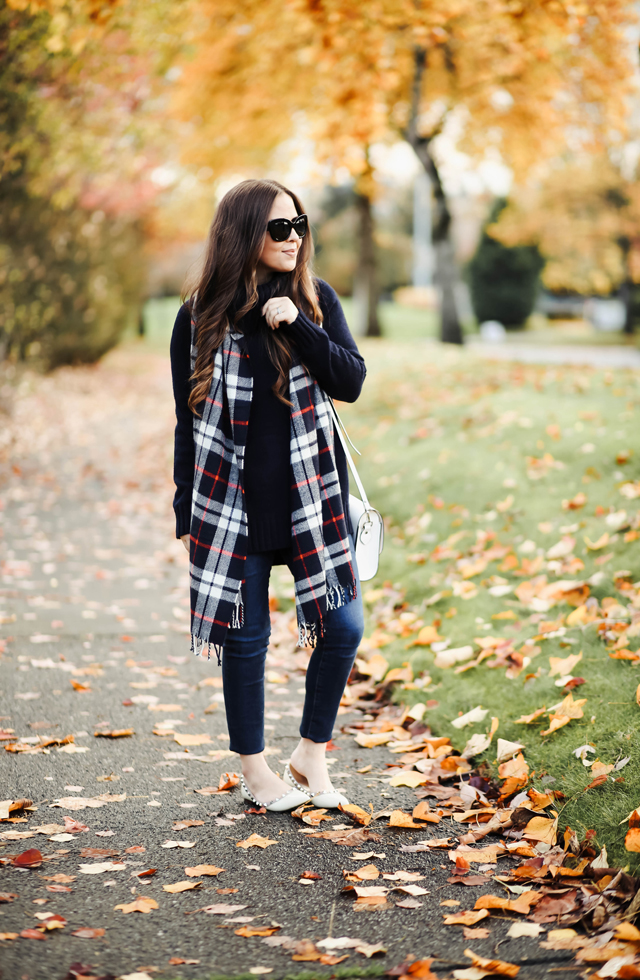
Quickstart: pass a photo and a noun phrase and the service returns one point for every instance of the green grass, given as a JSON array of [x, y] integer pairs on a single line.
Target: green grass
[[474, 447]]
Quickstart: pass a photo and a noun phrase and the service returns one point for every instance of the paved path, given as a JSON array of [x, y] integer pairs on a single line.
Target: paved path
[[593, 355], [94, 606]]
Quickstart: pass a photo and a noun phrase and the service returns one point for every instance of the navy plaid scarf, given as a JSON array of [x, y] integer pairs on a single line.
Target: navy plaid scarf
[[321, 555]]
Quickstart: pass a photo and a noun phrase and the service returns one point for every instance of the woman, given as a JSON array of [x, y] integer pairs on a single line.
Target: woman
[[255, 353]]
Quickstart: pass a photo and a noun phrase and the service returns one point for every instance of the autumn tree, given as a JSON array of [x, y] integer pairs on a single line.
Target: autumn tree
[[74, 183], [516, 77], [584, 216]]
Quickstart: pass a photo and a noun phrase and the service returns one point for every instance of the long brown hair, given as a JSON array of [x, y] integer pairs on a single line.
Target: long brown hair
[[235, 242]]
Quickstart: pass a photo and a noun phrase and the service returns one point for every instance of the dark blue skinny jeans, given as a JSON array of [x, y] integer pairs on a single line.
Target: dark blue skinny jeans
[[244, 654]]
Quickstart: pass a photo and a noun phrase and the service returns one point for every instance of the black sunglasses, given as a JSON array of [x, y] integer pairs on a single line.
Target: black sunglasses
[[280, 228]]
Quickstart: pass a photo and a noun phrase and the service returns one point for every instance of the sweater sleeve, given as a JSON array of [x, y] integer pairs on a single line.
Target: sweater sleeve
[[329, 351], [184, 449]]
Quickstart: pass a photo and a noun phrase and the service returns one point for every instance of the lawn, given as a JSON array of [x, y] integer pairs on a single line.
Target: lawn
[[470, 463], [477, 468]]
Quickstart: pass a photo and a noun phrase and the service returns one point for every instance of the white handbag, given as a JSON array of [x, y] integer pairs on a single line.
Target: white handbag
[[368, 526]]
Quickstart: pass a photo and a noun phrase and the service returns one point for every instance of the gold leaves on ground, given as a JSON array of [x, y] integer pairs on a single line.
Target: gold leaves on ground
[[564, 713]]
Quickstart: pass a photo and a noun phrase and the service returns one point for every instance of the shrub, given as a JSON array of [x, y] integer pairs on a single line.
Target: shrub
[[503, 280]]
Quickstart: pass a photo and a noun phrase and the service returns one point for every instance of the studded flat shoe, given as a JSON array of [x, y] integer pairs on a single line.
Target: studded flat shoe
[[288, 801], [326, 798]]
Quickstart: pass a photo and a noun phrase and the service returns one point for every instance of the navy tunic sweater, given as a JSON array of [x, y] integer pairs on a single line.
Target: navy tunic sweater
[[328, 352]]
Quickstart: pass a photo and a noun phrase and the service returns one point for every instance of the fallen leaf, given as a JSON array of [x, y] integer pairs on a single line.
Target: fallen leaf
[[185, 824], [471, 717], [519, 929], [632, 838], [141, 904], [183, 739], [88, 933], [115, 733], [492, 966], [179, 961], [218, 909], [203, 869], [568, 710], [178, 843], [99, 868], [181, 886], [468, 918], [357, 814], [80, 802], [249, 931], [398, 818], [31, 858], [255, 840], [522, 904], [32, 934]]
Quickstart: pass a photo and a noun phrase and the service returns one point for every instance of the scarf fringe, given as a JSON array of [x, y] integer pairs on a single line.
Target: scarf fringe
[[337, 596], [198, 646]]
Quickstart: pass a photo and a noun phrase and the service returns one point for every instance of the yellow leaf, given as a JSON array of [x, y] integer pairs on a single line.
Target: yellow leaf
[[527, 719], [602, 542], [408, 778], [192, 739], [426, 636], [371, 740], [403, 673], [568, 710], [181, 886], [564, 666], [375, 667]]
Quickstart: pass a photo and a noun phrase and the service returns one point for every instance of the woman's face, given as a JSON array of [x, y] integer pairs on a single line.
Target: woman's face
[[279, 257]]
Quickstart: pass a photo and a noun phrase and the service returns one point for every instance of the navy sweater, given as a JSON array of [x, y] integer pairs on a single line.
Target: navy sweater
[[328, 352]]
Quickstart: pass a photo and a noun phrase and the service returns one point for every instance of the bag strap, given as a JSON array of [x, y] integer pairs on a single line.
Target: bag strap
[[342, 432]]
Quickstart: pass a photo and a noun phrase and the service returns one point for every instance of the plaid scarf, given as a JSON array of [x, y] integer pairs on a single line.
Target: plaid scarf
[[321, 556]]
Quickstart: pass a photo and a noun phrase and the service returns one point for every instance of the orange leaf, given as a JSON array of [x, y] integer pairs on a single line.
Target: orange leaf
[[522, 904], [492, 966], [357, 814], [255, 840], [141, 904], [181, 886], [465, 918], [115, 733], [256, 930], [203, 869], [399, 818]]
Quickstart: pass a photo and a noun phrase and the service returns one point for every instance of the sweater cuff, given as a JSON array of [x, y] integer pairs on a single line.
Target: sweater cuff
[[183, 519], [304, 331]]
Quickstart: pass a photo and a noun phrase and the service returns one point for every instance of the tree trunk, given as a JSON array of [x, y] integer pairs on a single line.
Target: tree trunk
[[446, 271], [365, 284]]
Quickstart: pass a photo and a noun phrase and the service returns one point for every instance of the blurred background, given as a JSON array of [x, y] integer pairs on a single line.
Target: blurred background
[[470, 168]]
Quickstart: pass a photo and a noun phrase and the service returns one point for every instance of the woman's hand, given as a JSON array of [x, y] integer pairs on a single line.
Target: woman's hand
[[185, 541], [279, 309]]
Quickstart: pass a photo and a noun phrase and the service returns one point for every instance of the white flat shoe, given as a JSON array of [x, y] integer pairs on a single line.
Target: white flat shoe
[[328, 798], [288, 801]]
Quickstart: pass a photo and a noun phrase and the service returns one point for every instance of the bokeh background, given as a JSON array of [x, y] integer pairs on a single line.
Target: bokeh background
[[463, 163]]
